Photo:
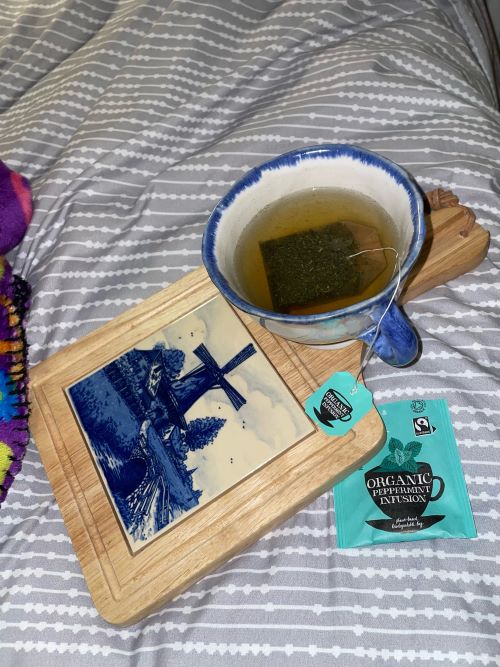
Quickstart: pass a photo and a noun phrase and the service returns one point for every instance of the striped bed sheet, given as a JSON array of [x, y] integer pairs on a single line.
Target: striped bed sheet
[[131, 118]]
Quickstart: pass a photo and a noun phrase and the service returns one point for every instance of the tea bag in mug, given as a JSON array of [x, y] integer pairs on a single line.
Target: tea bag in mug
[[414, 489], [321, 264]]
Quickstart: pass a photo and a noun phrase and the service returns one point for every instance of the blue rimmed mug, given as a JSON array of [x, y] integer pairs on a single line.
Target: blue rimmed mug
[[328, 165]]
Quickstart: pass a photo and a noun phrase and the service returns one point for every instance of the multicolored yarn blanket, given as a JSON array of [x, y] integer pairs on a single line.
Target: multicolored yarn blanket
[[15, 215]]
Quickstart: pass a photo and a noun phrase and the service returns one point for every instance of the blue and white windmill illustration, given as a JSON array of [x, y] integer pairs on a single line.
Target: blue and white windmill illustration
[[185, 415], [149, 478]]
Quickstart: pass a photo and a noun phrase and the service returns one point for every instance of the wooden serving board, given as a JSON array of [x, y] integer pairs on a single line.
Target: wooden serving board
[[126, 586]]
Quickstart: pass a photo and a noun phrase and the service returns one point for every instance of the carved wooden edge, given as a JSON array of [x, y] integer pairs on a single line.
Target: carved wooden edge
[[440, 198]]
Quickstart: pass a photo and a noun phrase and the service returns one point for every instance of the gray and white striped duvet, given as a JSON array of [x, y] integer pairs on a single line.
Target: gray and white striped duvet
[[131, 118]]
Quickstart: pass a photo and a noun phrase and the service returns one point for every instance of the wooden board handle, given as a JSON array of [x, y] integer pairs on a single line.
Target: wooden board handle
[[454, 244]]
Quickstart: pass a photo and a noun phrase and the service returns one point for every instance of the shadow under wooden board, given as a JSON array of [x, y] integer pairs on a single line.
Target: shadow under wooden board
[[137, 555]]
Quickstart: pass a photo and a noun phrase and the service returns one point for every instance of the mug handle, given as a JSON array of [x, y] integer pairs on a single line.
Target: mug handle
[[396, 342], [441, 488]]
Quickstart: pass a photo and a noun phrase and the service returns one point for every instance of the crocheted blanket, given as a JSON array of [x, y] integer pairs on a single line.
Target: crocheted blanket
[[15, 214]]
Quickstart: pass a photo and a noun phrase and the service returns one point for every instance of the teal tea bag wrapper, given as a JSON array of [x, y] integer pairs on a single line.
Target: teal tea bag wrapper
[[414, 489]]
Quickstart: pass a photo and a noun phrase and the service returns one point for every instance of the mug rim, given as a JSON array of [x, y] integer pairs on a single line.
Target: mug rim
[[291, 158]]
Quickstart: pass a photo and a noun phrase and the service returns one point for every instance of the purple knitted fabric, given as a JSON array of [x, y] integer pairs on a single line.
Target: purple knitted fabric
[[15, 214]]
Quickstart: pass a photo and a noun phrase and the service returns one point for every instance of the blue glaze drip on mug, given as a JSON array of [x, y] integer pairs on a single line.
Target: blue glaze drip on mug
[[396, 342]]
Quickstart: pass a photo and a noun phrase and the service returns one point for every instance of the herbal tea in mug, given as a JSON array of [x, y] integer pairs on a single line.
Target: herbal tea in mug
[[315, 251]]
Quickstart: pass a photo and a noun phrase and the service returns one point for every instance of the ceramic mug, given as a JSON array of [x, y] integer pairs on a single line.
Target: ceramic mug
[[327, 165]]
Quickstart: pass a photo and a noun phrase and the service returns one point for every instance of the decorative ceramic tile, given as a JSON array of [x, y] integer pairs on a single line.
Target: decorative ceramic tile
[[182, 417]]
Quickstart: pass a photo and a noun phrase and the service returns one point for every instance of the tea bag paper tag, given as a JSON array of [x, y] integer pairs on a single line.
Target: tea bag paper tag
[[339, 403]]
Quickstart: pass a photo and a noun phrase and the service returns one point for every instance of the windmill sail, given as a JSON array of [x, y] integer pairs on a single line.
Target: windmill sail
[[217, 373], [234, 396], [242, 356]]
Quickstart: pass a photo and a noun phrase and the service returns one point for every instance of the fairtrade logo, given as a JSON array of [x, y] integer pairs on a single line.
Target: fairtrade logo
[[334, 406], [422, 426]]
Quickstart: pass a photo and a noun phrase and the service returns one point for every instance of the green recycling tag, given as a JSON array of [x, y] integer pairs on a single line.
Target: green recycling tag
[[339, 403]]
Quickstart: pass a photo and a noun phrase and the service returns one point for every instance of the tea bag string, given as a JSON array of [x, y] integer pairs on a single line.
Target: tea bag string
[[369, 351]]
